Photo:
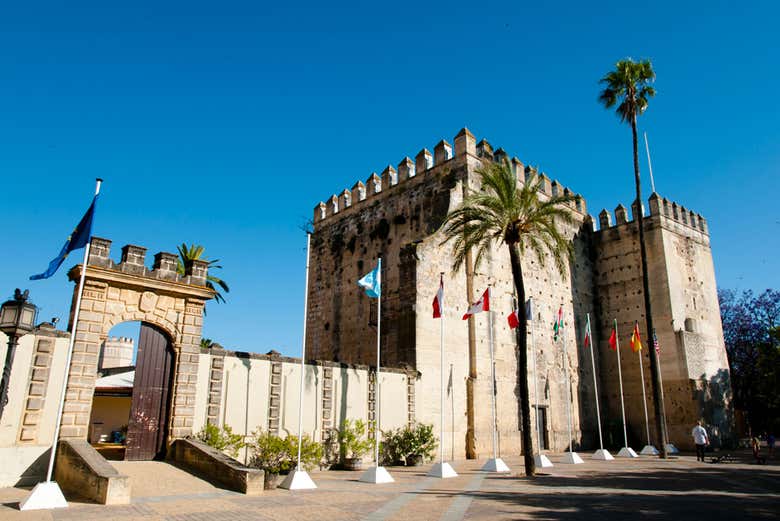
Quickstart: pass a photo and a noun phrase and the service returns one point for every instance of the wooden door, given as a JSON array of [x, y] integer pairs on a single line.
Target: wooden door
[[541, 425], [148, 424]]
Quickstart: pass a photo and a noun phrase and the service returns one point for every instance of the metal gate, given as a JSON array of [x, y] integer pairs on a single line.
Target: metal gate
[[148, 424]]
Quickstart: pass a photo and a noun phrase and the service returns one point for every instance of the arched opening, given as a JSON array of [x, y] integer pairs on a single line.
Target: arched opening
[[131, 403]]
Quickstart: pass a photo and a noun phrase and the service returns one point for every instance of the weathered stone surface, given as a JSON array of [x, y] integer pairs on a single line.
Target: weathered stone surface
[[400, 224], [213, 465], [81, 471]]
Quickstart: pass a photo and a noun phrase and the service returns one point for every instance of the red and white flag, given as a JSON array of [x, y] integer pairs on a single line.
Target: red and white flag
[[438, 300], [483, 304], [513, 320]]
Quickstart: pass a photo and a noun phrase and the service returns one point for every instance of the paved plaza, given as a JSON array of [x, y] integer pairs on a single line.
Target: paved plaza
[[645, 488]]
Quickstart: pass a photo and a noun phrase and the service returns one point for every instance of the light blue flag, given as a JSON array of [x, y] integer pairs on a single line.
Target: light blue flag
[[372, 281]]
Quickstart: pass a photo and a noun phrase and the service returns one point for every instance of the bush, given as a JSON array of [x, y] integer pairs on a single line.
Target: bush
[[352, 440], [390, 448], [221, 439], [417, 440], [275, 454]]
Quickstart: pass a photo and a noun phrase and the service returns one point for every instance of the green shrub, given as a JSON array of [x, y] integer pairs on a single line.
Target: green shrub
[[417, 440], [275, 454], [221, 439], [390, 448], [352, 440]]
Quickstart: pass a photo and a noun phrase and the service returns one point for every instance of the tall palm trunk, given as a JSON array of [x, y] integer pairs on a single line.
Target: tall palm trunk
[[655, 370], [522, 360]]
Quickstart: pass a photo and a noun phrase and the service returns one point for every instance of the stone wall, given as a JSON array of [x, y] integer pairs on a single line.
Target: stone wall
[[401, 222], [693, 360], [129, 291], [333, 392], [27, 426], [397, 216]]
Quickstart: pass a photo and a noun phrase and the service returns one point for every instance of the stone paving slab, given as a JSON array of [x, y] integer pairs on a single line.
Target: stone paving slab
[[622, 489]]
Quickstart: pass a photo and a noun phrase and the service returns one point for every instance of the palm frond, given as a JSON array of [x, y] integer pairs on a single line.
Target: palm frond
[[503, 212]]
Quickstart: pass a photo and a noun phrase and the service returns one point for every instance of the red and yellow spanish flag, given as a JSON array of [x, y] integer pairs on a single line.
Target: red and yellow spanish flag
[[636, 339]]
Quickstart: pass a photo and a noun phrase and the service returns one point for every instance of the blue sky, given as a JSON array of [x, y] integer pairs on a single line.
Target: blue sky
[[225, 123]]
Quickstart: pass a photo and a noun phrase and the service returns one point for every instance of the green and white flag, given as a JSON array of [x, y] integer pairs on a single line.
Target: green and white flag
[[558, 325]]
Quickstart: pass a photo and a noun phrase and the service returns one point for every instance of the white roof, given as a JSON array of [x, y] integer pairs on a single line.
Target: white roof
[[117, 380]]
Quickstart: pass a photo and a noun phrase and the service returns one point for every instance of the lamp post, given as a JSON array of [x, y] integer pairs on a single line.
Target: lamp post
[[17, 318]]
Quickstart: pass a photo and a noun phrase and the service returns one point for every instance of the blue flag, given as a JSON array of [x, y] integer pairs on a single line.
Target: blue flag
[[372, 281], [78, 239]]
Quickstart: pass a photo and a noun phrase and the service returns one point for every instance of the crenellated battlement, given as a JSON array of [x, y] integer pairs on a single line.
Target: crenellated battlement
[[133, 261], [659, 207], [425, 163]]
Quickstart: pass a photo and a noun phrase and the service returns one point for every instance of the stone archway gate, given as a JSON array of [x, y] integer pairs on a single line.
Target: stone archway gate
[[128, 291]]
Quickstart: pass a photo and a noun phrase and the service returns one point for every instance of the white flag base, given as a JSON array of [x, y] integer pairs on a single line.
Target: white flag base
[[376, 475], [627, 452], [572, 458], [442, 470], [542, 461], [44, 496], [671, 449], [495, 465], [602, 454], [649, 450], [298, 480]]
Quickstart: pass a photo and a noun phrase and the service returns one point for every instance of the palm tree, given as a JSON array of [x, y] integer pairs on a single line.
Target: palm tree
[[503, 212], [629, 87], [195, 252]]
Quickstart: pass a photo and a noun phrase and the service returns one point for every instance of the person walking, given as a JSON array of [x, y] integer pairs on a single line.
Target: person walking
[[770, 444], [701, 440]]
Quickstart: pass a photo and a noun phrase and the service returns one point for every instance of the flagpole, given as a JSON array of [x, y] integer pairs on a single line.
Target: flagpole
[[441, 370], [568, 387], [495, 464], [493, 374], [378, 342], [620, 379], [649, 164], [377, 474], [533, 369], [572, 457], [71, 343], [601, 453], [441, 469], [644, 397], [299, 479], [541, 460]]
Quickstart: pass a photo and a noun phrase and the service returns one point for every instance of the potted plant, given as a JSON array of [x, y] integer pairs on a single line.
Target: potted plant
[[390, 448], [272, 454], [221, 439], [417, 443], [353, 444], [277, 455]]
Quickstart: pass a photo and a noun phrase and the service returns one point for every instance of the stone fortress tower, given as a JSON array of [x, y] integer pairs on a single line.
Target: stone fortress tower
[[397, 214], [116, 352]]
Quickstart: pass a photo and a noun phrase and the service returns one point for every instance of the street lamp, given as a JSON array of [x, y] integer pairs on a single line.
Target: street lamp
[[17, 318]]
